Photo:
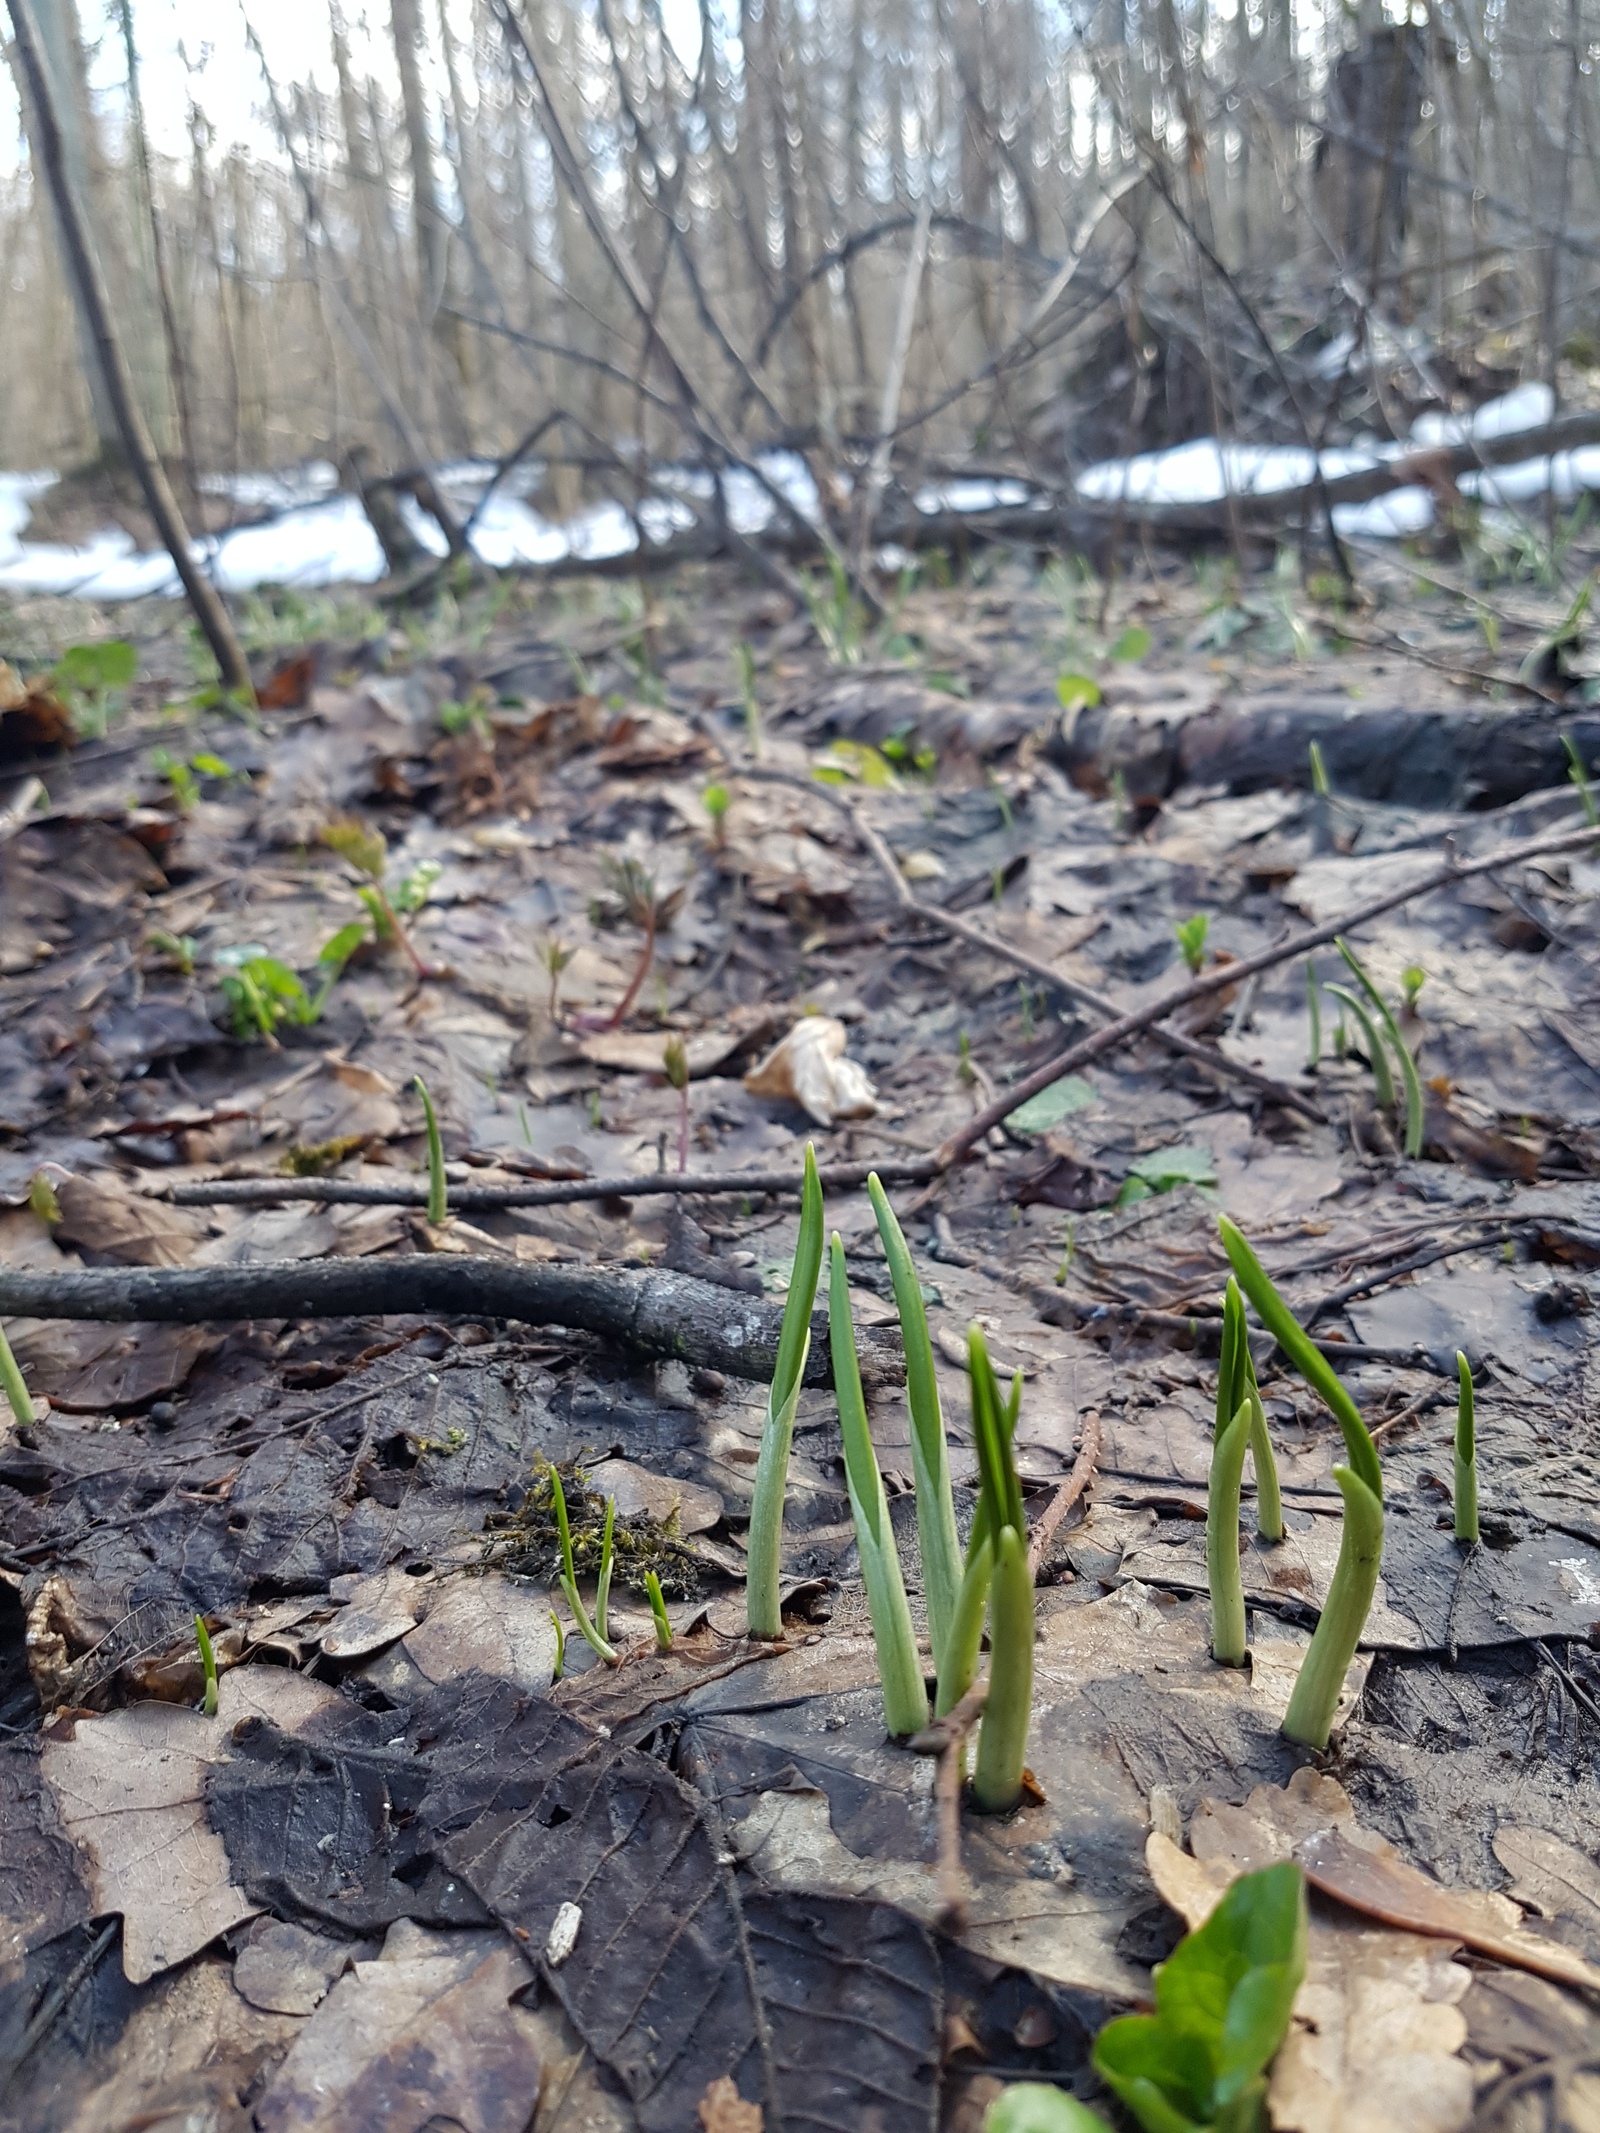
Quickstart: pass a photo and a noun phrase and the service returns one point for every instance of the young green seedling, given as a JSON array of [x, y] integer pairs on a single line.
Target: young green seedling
[[1377, 1057], [569, 1581], [1314, 1014], [1355, 1578], [762, 1612], [17, 1393], [1466, 1455], [602, 1595], [1191, 934], [1033, 2107], [1402, 1051], [438, 1196], [905, 1700], [715, 800], [1412, 980], [1580, 778], [208, 1660], [1228, 1447], [1223, 2001], [930, 1461], [1236, 1387], [675, 1064], [555, 956], [658, 1608], [1002, 1738]]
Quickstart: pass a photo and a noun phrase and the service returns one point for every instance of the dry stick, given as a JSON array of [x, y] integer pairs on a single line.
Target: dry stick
[[945, 1738], [137, 442], [487, 1199], [1067, 1494], [1214, 981], [1086, 996]]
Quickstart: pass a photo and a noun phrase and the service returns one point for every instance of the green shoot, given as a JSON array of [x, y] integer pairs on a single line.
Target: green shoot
[[675, 1064], [999, 1529], [658, 1608], [16, 1391], [561, 1648], [965, 1070], [762, 1612], [569, 1581], [368, 852], [1269, 1499], [1377, 1057], [438, 1198], [1412, 980], [1402, 1050], [1466, 1455], [208, 1659], [1228, 1448], [1223, 2002], [1355, 1578], [263, 993], [1314, 1015], [930, 1463], [180, 949], [1319, 773], [715, 802], [555, 956], [602, 1595], [1580, 778], [905, 1700], [1191, 933], [42, 1198]]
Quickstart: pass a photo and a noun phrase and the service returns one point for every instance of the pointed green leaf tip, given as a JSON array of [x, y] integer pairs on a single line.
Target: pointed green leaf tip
[[763, 1615], [1466, 1472], [1031, 2107], [936, 1519]]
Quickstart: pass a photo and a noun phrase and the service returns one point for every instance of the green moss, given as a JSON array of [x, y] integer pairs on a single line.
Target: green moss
[[527, 1541]]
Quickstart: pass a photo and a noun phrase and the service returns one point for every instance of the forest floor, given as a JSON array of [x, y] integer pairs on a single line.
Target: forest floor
[[344, 1901]]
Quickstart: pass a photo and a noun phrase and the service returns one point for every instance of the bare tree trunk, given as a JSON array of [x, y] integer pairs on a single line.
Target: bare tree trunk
[[209, 611]]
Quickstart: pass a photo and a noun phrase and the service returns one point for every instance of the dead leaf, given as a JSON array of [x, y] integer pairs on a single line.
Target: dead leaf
[[641, 1052], [375, 1611], [658, 1496], [284, 1969], [115, 1226], [85, 1368], [130, 1792], [1551, 1877], [497, 1625], [724, 2110], [428, 2031], [808, 1067]]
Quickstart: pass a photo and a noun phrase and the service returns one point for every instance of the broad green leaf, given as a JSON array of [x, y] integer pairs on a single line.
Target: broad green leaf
[[339, 947], [211, 766], [1071, 1093], [111, 665], [1076, 692], [1031, 2107], [1133, 644]]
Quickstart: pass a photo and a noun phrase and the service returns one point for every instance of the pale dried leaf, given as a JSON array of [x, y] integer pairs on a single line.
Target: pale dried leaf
[[493, 1625], [724, 2110], [284, 1969], [808, 1067], [127, 1228], [1551, 1877]]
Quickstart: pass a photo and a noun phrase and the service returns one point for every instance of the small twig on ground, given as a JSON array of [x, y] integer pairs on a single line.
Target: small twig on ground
[[946, 1738], [1067, 1494]]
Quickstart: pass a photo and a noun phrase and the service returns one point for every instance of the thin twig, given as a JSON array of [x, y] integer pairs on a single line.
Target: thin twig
[[1067, 1494], [946, 1738]]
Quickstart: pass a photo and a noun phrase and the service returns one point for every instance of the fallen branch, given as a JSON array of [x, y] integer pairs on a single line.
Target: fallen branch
[[659, 1314], [1084, 995], [1067, 1494], [946, 1738], [1225, 975], [488, 1199]]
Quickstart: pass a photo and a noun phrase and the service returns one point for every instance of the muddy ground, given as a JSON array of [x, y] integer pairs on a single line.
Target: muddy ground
[[338, 1903]]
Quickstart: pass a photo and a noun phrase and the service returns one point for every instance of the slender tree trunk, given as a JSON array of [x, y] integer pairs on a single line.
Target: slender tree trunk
[[204, 598]]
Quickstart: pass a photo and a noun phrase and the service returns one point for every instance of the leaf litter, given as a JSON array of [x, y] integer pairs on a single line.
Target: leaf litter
[[756, 1875]]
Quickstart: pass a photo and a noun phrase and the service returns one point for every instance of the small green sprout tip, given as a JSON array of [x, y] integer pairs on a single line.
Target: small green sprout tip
[[1034, 2107], [1314, 1015], [602, 1595], [762, 1612], [208, 1659], [1319, 773], [1315, 1700], [1191, 933], [438, 1199], [905, 1700], [569, 1581], [1580, 778], [930, 1462], [1000, 1530], [1466, 1455], [1412, 980], [1402, 1051], [715, 800], [1377, 1057], [658, 1608], [16, 1391], [561, 1647], [1228, 1447]]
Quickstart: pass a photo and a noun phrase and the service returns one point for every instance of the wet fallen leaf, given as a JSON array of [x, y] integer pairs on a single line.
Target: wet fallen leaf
[[284, 1969], [1551, 1877], [114, 1225], [428, 2031]]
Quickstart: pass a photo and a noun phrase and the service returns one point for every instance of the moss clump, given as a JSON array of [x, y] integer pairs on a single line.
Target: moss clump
[[527, 1541]]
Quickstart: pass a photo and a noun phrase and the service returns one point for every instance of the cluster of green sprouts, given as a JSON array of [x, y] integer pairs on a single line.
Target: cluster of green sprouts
[[1386, 1048], [1316, 1691], [990, 1580]]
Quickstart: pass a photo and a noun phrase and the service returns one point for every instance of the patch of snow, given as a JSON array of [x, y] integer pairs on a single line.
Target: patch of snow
[[970, 495], [1525, 407], [1390, 517]]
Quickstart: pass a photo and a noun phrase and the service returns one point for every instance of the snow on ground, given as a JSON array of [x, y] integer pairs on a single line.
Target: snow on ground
[[320, 535]]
